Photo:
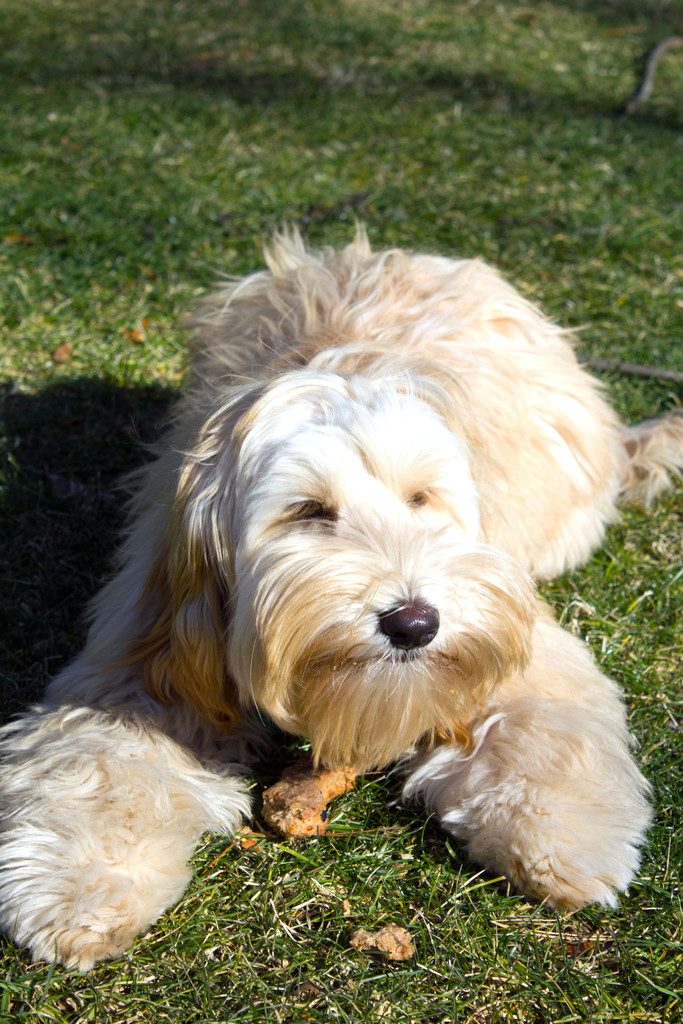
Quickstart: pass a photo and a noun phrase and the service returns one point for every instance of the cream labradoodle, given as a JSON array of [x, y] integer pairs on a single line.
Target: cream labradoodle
[[376, 456]]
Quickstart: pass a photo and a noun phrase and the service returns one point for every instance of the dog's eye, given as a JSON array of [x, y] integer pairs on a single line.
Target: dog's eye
[[418, 499], [312, 511]]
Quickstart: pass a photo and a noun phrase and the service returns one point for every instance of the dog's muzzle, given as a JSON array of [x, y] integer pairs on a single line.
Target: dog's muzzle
[[410, 625]]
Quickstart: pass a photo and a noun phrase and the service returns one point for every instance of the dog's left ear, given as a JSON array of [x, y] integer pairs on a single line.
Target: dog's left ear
[[182, 653]]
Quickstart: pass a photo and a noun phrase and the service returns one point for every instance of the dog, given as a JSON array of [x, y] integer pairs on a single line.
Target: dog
[[376, 456]]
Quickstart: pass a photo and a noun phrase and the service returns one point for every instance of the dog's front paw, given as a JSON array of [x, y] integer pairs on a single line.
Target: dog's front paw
[[89, 940], [549, 796], [78, 912], [565, 856], [567, 881]]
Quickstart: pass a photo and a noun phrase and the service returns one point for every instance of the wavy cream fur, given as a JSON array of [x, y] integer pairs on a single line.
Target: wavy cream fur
[[453, 450]]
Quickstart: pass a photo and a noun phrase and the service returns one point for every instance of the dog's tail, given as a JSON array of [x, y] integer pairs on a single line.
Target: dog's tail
[[654, 455]]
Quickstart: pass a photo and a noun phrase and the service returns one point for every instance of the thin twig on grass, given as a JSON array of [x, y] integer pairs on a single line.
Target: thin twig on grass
[[634, 369], [647, 81]]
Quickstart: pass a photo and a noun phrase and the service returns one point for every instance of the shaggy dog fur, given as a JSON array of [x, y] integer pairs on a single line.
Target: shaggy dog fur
[[376, 455]]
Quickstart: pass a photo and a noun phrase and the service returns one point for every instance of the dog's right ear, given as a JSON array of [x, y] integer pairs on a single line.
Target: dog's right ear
[[182, 651], [180, 655]]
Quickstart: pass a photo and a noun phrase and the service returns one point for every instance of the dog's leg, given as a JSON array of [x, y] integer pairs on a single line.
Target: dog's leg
[[101, 811], [548, 794]]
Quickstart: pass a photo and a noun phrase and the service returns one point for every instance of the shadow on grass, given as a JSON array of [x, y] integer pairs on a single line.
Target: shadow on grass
[[61, 508], [289, 53]]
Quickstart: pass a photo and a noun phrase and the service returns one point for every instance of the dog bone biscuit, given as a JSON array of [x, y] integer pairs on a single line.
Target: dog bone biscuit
[[296, 806]]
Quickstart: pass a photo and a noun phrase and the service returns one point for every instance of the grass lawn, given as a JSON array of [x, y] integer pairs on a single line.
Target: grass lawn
[[146, 145]]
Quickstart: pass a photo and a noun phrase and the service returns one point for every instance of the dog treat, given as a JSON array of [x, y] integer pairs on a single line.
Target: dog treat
[[392, 941], [296, 806]]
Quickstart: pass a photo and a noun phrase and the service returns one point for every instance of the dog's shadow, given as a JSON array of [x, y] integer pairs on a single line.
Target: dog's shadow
[[64, 450]]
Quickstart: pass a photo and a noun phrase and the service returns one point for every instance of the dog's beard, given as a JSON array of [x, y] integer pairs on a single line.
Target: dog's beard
[[332, 678], [369, 714]]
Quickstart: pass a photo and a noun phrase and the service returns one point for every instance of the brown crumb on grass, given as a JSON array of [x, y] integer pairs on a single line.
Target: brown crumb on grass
[[392, 941]]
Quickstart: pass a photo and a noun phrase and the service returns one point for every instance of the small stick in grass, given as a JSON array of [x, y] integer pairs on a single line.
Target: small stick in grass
[[634, 369], [647, 81]]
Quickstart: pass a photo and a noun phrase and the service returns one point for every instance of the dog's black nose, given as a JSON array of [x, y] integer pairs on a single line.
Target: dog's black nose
[[410, 625]]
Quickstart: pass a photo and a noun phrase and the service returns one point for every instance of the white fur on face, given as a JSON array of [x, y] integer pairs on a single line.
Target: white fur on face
[[397, 521], [358, 445]]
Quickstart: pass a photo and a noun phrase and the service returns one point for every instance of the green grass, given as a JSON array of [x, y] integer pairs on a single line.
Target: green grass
[[147, 145]]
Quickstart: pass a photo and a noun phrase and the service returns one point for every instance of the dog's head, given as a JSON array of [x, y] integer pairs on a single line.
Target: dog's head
[[325, 563]]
